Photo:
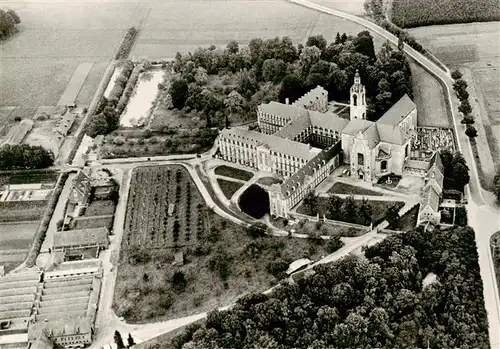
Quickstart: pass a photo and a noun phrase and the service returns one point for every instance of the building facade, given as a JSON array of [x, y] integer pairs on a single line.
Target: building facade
[[304, 143]]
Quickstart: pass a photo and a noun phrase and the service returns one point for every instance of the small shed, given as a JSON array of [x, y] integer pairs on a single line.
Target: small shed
[[297, 265], [171, 208], [179, 259]]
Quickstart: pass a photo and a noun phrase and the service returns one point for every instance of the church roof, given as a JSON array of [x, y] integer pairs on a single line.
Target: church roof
[[398, 111], [430, 197], [391, 134], [355, 126], [286, 111], [372, 135]]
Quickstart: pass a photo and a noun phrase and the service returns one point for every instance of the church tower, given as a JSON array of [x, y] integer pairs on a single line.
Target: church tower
[[358, 99]]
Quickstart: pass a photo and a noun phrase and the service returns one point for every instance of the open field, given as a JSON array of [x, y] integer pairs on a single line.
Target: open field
[[417, 13], [54, 39], [233, 172], [474, 46], [429, 98], [15, 239], [171, 27], [75, 84], [221, 260], [229, 188]]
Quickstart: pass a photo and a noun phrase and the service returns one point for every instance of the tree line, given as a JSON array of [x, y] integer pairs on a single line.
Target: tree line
[[8, 21], [273, 69], [24, 157], [380, 301], [460, 87]]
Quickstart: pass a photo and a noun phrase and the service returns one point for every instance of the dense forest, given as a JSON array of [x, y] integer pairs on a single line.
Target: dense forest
[[8, 21], [23, 156], [380, 301], [276, 69]]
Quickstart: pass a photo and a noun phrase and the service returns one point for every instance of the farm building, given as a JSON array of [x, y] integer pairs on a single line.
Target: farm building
[[67, 309], [17, 297], [80, 239], [18, 132], [65, 123], [80, 193]]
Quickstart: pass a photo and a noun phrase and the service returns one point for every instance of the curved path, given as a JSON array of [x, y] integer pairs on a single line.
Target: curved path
[[484, 218]]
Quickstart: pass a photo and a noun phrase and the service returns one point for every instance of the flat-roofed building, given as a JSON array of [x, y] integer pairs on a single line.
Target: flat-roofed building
[[81, 239]]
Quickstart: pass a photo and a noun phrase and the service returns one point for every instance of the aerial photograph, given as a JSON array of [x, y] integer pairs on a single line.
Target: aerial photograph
[[250, 174]]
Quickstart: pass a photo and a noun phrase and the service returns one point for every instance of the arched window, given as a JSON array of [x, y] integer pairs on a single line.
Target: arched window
[[361, 159], [383, 165], [355, 100]]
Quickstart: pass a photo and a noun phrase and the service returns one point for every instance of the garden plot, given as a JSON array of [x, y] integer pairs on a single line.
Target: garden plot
[[140, 106]]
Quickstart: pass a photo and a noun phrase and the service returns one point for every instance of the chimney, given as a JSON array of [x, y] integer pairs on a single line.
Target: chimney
[[287, 101]]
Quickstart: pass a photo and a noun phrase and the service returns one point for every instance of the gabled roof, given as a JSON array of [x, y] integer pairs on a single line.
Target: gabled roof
[[310, 97], [430, 198], [285, 111], [277, 144], [81, 237], [398, 111], [372, 135], [355, 126], [329, 121], [294, 128], [391, 134], [309, 169]]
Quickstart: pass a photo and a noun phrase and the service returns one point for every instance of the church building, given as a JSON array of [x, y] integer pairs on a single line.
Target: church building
[[303, 143]]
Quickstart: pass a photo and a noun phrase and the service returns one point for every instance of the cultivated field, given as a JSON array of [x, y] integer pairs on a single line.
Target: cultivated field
[[416, 13], [476, 47], [15, 239], [181, 26], [54, 39]]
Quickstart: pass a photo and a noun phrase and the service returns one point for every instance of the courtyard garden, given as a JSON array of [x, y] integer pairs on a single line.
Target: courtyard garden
[[229, 188], [363, 212], [407, 222], [221, 260], [233, 172]]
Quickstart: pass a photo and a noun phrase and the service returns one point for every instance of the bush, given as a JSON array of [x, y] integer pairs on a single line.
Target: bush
[[278, 267], [44, 223], [471, 131], [141, 256], [179, 281], [334, 244], [456, 74], [461, 216], [126, 45], [221, 264]]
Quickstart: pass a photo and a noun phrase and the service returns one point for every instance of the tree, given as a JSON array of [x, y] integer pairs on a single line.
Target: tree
[[460, 87], [311, 202], [465, 107], [179, 281], [401, 43], [130, 340], [232, 47], [496, 185], [374, 9], [392, 214], [365, 212], [456, 74], [118, 340], [24, 156], [234, 103], [179, 93], [349, 209], [292, 87], [318, 40], [273, 70], [97, 126], [468, 120], [363, 44], [334, 243], [471, 131]]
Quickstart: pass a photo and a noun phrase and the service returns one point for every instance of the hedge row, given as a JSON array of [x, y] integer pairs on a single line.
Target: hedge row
[[417, 13], [121, 81], [41, 231], [129, 89], [126, 45], [410, 40]]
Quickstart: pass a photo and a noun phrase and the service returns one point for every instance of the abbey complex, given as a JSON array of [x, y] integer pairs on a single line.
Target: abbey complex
[[304, 143]]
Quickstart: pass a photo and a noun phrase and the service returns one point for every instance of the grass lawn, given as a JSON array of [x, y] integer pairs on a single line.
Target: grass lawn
[[269, 181], [407, 222], [233, 172], [343, 188], [100, 208], [225, 264], [93, 223], [228, 187]]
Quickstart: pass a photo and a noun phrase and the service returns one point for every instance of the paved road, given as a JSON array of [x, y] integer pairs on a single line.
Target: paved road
[[484, 218]]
